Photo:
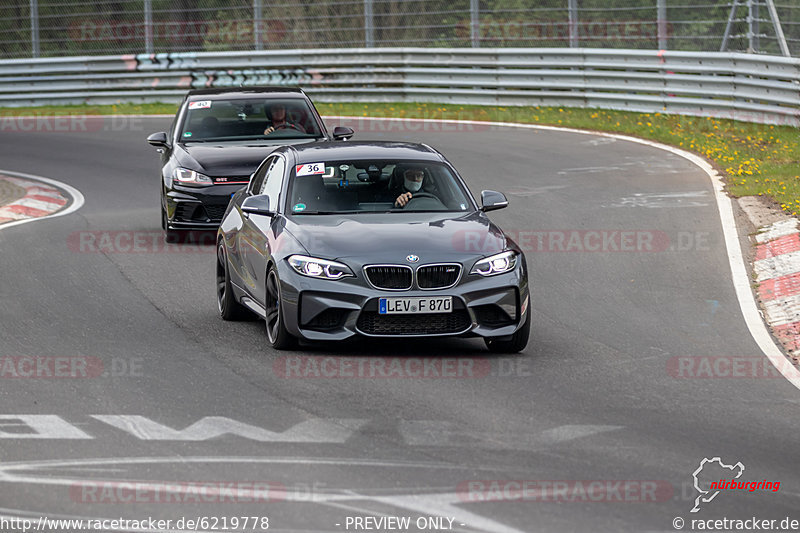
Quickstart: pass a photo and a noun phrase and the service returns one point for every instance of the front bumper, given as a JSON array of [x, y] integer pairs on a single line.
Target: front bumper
[[315, 309], [197, 207]]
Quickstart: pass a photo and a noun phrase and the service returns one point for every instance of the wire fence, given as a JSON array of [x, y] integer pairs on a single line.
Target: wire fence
[[52, 28]]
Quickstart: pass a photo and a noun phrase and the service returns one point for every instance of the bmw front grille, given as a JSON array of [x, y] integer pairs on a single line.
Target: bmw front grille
[[441, 276], [389, 277], [401, 277]]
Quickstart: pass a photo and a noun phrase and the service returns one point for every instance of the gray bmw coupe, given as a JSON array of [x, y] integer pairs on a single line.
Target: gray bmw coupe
[[331, 240]]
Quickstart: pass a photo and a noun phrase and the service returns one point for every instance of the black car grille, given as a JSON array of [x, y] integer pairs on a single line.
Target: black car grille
[[438, 276], [186, 211], [215, 212], [393, 277], [372, 323], [492, 316], [194, 212]]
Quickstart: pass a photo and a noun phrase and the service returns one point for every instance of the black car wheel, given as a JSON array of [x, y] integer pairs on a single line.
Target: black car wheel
[[229, 308], [516, 343], [279, 338]]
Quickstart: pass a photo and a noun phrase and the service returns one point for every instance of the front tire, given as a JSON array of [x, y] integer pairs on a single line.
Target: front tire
[[229, 308], [277, 334], [171, 236], [517, 342]]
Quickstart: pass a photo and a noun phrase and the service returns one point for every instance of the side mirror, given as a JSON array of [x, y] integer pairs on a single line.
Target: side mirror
[[491, 200], [342, 133], [257, 205], [158, 139]]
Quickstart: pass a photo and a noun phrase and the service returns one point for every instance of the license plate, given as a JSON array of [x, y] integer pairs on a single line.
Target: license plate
[[406, 306]]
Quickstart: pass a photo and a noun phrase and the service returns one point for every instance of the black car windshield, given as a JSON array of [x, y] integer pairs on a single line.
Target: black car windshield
[[250, 119], [348, 187]]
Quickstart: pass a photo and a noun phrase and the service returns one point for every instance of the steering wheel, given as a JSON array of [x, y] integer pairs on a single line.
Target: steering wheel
[[286, 125], [422, 195]]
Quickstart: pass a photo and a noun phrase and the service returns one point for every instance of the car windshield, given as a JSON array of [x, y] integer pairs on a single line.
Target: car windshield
[[338, 187], [249, 119]]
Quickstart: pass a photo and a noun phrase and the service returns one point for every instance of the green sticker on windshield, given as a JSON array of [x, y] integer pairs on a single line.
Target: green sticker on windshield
[[187, 134], [299, 207]]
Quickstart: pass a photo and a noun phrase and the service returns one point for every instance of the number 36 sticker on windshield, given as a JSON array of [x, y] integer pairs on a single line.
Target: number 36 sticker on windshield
[[310, 169]]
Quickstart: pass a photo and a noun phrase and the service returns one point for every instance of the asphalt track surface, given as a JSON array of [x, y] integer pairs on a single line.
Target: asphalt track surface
[[594, 397]]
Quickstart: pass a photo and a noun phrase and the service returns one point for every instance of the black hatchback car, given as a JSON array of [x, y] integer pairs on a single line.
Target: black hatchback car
[[328, 242], [218, 138]]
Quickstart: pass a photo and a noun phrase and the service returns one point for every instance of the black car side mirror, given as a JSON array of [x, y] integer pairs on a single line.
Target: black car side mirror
[[342, 133], [158, 139], [257, 205], [491, 200]]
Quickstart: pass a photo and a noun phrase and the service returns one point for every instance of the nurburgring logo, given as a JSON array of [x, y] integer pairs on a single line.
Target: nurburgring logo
[[723, 480]]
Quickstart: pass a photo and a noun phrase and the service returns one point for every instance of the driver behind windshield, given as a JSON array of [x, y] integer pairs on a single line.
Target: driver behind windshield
[[412, 182], [277, 115]]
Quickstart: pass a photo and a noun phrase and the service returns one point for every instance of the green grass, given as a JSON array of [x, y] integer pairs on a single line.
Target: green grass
[[755, 159], [116, 109]]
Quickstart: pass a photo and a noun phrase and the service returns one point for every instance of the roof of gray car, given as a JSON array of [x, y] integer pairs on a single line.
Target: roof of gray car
[[355, 150]]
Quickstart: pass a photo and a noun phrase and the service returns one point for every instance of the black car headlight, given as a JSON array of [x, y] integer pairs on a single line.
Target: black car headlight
[[319, 268], [190, 177], [496, 264]]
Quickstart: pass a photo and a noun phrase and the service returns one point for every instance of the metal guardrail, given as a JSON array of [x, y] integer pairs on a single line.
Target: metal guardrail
[[749, 87]]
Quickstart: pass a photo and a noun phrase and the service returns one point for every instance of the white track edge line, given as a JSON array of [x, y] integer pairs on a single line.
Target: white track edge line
[[741, 281], [77, 198]]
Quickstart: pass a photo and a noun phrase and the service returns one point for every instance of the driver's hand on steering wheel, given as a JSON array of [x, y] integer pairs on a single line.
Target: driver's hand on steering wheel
[[403, 199], [269, 130]]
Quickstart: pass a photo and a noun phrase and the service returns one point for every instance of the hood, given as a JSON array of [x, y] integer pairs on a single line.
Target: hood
[[391, 237], [222, 160]]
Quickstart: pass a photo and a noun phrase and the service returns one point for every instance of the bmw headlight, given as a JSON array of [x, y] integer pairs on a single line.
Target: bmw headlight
[[495, 264], [319, 268], [190, 177]]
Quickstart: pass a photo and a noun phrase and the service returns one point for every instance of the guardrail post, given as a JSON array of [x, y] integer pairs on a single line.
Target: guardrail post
[[773, 14], [475, 21], [369, 30], [728, 27], [661, 23], [258, 24], [572, 6], [35, 28], [148, 26]]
